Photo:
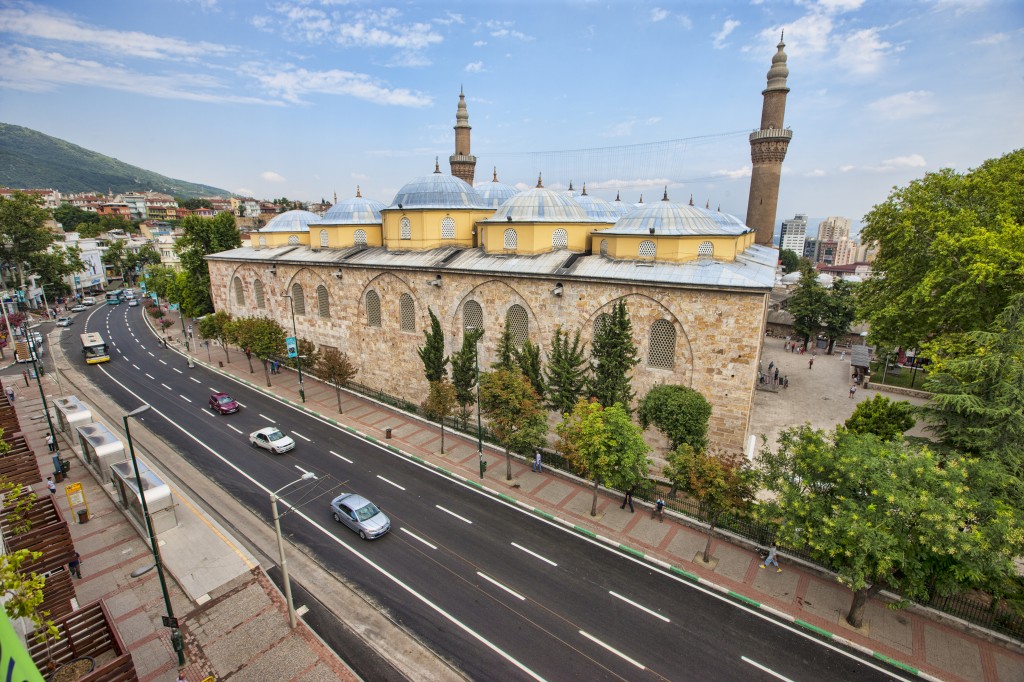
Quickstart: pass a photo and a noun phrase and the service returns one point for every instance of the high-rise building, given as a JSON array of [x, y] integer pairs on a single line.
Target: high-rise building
[[794, 233], [834, 228]]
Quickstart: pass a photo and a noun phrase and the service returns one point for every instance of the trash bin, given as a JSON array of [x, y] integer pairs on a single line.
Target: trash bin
[[83, 515], [65, 466], [387, 433]]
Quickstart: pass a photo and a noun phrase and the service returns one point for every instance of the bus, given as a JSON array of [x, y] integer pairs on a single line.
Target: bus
[[114, 297], [94, 348]]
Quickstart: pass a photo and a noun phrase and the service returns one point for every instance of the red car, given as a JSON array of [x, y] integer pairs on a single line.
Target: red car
[[223, 403]]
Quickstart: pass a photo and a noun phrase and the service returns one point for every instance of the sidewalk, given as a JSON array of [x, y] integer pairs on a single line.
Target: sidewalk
[[921, 641]]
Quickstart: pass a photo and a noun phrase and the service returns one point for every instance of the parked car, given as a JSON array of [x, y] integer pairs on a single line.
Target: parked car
[[271, 438], [88, 300], [361, 515], [77, 308], [133, 303], [63, 321], [223, 403]]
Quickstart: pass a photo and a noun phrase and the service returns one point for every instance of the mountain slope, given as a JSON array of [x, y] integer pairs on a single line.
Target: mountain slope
[[29, 159]]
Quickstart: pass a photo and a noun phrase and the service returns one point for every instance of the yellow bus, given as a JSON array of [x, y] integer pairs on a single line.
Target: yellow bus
[[94, 348]]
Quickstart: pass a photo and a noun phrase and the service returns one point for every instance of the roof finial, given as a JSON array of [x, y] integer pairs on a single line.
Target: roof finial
[[570, 186], [584, 190], [358, 194], [617, 196], [495, 179], [691, 198], [539, 183], [641, 199], [437, 166], [664, 197], [719, 208], [707, 204], [335, 197], [460, 89], [782, 36]]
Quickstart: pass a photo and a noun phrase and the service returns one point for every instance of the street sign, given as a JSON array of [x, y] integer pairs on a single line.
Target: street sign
[[169, 621], [172, 306], [293, 348]]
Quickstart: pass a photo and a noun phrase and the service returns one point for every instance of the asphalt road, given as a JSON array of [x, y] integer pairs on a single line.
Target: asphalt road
[[502, 593]]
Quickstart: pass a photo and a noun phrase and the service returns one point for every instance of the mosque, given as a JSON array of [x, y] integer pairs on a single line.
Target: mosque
[[362, 277]]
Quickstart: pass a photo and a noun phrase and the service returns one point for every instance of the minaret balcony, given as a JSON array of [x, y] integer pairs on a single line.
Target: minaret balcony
[[462, 158], [772, 134]]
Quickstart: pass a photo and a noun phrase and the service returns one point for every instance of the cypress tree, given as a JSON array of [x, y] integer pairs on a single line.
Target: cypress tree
[[432, 351], [528, 360], [506, 351], [464, 370], [612, 357], [565, 374]]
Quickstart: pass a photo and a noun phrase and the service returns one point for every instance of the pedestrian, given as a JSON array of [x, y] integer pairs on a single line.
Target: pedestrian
[[50, 444], [785, 381], [770, 365], [659, 510], [842, 356], [75, 566], [10, 394], [537, 461], [853, 389], [776, 375], [772, 559], [50, 485], [810, 363], [628, 499]]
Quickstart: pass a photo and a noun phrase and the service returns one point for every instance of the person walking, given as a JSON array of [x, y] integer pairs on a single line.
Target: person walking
[[842, 356], [628, 499], [810, 363], [50, 485], [659, 510], [75, 566], [10, 395], [537, 461], [50, 444], [772, 559], [853, 389], [776, 375]]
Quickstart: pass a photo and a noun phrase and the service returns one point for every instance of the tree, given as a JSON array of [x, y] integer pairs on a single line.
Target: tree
[[527, 358], [790, 260], [513, 411], [440, 402], [612, 357], [334, 367], [23, 593], [887, 419], [71, 217], [719, 485], [838, 311], [112, 223], [807, 304], [22, 230], [679, 412], [950, 257], [464, 366], [263, 336], [888, 514], [506, 351], [217, 326], [432, 351], [605, 446], [55, 265], [162, 281], [114, 257], [566, 372], [203, 236]]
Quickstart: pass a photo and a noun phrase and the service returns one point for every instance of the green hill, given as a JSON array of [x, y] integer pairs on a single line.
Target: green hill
[[30, 160]]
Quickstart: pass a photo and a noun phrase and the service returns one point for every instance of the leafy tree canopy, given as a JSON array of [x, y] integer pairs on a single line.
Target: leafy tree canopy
[[527, 358], [679, 412], [839, 309], [807, 304], [464, 370], [790, 260], [22, 230], [71, 217], [887, 419], [566, 371], [513, 411], [334, 366], [506, 351]]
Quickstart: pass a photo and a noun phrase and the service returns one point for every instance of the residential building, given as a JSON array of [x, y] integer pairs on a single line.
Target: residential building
[[794, 234], [834, 228]]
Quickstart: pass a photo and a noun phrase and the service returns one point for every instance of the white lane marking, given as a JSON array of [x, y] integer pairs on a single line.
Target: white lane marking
[[167, 387], [448, 511], [390, 482], [615, 651], [195, 380], [161, 361], [266, 417], [417, 537], [497, 584], [151, 377], [237, 430], [120, 351], [113, 344], [301, 469], [184, 398], [534, 554], [213, 390], [296, 433], [767, 670], [340, 456], [642, 608], [143, 348], [135, 366], [175, 369], [240, 404], [151, 353]]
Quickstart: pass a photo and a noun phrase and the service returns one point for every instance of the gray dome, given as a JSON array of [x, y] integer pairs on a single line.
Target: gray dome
[[597, 208], [541, 205], [438, 191], [355, 211], [668, 218], [291, 221], [495, 193], [621, 207]]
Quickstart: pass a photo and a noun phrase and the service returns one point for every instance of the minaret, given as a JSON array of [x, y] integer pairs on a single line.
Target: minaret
[[768, 150], [463, 163]]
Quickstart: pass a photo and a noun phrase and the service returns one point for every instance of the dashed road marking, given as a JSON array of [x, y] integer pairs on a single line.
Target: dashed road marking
[[448, 511]]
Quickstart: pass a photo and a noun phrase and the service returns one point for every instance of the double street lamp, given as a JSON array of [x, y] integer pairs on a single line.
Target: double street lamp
[[31, 345], [298, 358], [479, 426], [307, 476]]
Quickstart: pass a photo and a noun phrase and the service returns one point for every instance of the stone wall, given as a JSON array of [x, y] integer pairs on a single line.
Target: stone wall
[[718, 333]]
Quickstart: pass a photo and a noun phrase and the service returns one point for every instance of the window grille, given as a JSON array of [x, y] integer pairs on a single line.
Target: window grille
[[511, 239], [647, 249], [448, 228], [662, 350], [257, 290], [559, 239], [298, 299], [604, 247], [263, 240], [239, 295], [517, 321], [705, 250], [293, 240], [472, 316], [360, 238], [324, 241], [406, 228], [323, 303], [372, 309], [407, 313], [600, 323]]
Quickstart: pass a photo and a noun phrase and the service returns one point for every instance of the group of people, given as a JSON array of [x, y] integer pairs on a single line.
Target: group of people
[[773, 377]]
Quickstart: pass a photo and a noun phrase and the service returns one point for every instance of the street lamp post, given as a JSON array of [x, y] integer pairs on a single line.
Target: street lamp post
[[39, 381], [280, 544], [479, 426], [176, 640], [298, 358]]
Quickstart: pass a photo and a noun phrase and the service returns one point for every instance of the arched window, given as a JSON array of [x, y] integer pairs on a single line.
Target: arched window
[[372, 308], [263, 240], [323, 303], [324, 241], [472, 316], [257, 292], [706, 250], [406, 229], [448, 228], [236, 285], [600, 322], [559, 239], [662, 345], [360, 237], [407, 313], [647, 249], [517, 321], [604, 247], [511, 239], [298, 299], [293, 240]]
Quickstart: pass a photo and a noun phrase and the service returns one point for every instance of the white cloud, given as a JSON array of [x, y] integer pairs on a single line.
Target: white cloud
[[475, 67], [992, 39], [381, 28], [816, 173], [732, 174], [292, 84], [728, 27], [449, 19], [904, 105], [271, 176], [847, 168], [863, 52], [684, 21], [658, 14], [625, 128], [503, 29], [910, 161], [839, 6], [244, 192], [479, 43], [962, 7]]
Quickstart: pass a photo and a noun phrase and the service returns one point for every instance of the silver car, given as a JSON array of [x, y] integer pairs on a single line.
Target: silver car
[[361, 515]]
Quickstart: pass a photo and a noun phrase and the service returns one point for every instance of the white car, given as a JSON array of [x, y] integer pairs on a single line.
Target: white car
[[78, 308], [88, 300], [63, 321], [271, 438], [133, 303]]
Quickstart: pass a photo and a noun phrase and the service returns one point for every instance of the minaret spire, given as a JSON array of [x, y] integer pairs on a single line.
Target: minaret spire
[[462, 162]]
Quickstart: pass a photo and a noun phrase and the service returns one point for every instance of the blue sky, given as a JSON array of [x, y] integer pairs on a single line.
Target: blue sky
[[305, 98]]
